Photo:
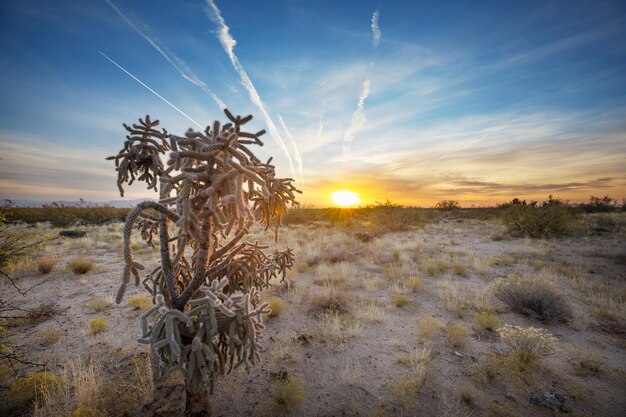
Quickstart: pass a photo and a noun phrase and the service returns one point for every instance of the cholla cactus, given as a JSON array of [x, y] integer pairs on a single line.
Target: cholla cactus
[[206, 287]]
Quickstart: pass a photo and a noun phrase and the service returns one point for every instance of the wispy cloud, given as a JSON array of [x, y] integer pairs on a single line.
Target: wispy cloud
[[180, 65], [152, 91], [228, 43], [296, 152], [358, 119], [376, 33]]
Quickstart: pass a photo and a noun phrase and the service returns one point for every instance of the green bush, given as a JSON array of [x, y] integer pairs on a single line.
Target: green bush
[[553, 218]]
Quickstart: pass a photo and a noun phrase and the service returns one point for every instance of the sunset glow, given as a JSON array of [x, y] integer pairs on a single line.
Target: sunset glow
[[345, 198]]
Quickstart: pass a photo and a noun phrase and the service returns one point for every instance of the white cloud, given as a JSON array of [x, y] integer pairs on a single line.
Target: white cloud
[[358, 119], [376, 34]]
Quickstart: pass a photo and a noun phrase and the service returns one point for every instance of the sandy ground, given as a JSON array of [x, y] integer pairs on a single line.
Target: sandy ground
[[356, 374]]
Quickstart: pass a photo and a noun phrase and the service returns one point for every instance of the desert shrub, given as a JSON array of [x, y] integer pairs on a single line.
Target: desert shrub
[[277, 306], [98, 325], [80, 265], [46, 263], [33, 386], [605, 204], [288, 392], [428, 326], [399, 300], [589, 360], [488, 321], [98, 304], [303, 215], [553, 218], [15, 242], [413, 284], [59, 215], [448, 205], [534, 297], [48, 337], [390, 216], [526, 345], [456, 335], [140, 302]]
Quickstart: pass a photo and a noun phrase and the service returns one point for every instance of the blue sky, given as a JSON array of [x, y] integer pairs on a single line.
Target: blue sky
[[407, 100]]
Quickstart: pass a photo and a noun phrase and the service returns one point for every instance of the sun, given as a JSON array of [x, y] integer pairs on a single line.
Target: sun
[[345, 198]]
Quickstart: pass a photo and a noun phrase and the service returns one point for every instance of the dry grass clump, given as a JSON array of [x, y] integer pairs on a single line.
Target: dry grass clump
[[48, 337], [399, 300], [46, 263], [488, 321], [340, 274], [526, 345], [405, 389], [459, 299], [415, 358], [80, 265], [140, 302], [351, 372], [413, 284], [33, 386], [398, 273], [456, 335], [589, 361], [459, 269], [428, 327], [98, 325], [277, 306], [286, 394], [329, 301], [287, 348], [534, 297], [436, 267], [335, 329], [99, 304], [372, 311]]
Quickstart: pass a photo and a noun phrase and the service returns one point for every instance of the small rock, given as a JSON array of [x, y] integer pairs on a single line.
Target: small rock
[[459, 354]]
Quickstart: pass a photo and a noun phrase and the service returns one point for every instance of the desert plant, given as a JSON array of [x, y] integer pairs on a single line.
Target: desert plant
[[46, 263], [552, 218], [98, 325], [276, 306], [456, 335], [534, 297], [80, 265], [140, 302], [526, 345], [399, 300], [213, 188], [448, 205], [488, 321]]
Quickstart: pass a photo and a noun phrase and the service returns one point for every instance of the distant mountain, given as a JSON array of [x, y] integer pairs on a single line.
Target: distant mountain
[[112, 203]]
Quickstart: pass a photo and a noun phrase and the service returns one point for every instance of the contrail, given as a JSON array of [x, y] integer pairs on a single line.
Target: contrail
[[152, 91], [320, 127], [179, 65], [376, 34], [296, 152], [228, 43], [358, 119]]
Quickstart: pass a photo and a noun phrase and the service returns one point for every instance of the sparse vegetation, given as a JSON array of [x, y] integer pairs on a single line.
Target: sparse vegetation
[[488, 321], [140, 302], [97, 325], [99, 304], [427, 327], [526, 345], [276, 306], [553, 218], [46, 263], [456, 335], [399, 300], [534, 297], [48, 337], [80, 265]]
